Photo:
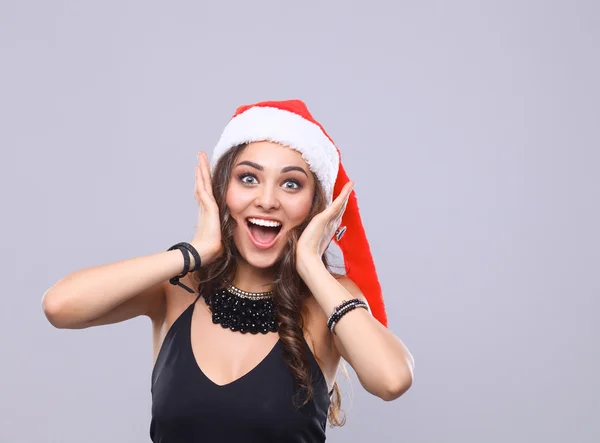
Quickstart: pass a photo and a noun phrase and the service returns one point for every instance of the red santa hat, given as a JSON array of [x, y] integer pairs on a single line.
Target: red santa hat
[[289, 123]]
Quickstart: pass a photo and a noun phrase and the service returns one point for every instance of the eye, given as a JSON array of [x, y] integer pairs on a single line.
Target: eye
[[242, 177], [295, 184]]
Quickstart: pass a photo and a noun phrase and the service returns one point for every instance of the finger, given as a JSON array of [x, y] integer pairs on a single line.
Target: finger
[[337, 217], [339, 205], [346, 191], [199, 187], [200, 167], [203, 197], [201, 192], [205, 169], [197, 172]]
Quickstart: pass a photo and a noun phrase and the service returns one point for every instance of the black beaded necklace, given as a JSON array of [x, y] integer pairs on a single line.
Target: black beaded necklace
[[242, 311]]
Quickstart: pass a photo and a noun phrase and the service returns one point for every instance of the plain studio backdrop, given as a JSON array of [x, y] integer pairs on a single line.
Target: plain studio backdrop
[[470, 128]]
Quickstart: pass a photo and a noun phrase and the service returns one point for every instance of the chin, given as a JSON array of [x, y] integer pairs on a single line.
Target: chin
[[260, 260]]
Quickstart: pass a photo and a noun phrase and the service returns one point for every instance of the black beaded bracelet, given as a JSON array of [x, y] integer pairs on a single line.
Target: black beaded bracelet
[[344, 312], [346, 303], [343, 309], [185, 249], [192, 250], [340, 307]]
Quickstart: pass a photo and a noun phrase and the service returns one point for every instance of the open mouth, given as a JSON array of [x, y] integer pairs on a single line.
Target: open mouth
[[263, 233]]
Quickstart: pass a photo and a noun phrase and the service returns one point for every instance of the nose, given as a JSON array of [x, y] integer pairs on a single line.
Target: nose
[[267, 198]]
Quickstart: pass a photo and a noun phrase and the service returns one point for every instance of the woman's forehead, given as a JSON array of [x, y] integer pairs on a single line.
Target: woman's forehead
[[270, 153]]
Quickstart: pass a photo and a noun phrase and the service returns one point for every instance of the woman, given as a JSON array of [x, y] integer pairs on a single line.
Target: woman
[[255, 360]]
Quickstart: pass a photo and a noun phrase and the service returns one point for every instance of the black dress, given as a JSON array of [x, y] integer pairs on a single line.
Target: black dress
[[187, 407]]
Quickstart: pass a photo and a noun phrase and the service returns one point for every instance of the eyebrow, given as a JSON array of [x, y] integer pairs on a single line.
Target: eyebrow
[[260, 168]]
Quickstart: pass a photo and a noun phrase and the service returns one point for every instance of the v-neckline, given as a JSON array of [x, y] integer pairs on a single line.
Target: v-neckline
[[203, 374]]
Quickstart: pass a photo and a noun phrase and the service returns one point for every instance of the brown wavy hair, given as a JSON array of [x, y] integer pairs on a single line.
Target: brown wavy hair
[[289, 288]]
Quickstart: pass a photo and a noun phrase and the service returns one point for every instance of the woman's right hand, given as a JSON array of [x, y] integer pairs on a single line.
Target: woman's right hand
[[207, 239]]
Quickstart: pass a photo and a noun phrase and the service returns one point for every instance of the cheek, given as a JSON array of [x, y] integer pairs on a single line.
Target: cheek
[[299, 210], [234, 200], [229, 200]]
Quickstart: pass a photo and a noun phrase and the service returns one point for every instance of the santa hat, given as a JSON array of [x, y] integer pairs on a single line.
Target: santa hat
[[289, 123]]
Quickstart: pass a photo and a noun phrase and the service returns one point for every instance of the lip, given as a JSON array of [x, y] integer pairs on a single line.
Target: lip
[[257, 244]]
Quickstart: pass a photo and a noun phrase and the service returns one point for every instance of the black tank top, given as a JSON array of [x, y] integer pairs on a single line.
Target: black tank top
[[187, 407]]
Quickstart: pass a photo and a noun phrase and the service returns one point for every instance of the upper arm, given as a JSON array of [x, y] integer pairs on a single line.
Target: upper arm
[[150, 303]]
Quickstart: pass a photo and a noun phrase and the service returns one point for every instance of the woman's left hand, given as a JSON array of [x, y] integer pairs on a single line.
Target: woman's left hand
[[317, 236]]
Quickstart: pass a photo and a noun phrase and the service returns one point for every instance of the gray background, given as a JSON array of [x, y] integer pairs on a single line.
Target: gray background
[[471, 129]]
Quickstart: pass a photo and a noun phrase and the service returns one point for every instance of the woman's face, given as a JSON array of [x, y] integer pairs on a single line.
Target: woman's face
[[271, 185]]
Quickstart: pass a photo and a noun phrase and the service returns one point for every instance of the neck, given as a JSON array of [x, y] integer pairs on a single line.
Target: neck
[[251, 279]]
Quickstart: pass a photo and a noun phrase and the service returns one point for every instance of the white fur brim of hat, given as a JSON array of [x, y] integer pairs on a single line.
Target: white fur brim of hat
[[261, 123]]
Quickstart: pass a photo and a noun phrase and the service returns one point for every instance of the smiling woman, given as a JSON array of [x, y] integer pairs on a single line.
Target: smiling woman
[[256, 360], [270, 184]]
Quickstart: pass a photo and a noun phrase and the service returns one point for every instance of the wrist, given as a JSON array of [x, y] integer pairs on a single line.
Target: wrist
[[207, 254], [306, 266]]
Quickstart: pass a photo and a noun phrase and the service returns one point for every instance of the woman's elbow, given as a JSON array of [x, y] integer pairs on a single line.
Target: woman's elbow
[[400, 382], [398, 388], [54, 310]]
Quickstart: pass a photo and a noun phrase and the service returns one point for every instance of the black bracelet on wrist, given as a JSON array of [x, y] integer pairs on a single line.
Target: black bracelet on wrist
[[194, 253], [342, 309], [185, 249], [335, 315]]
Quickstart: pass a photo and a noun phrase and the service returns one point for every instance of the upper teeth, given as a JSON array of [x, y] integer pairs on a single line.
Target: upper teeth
[[261, 222]]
